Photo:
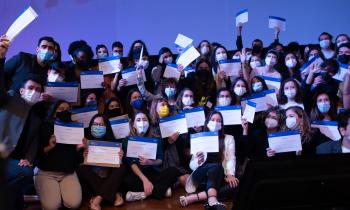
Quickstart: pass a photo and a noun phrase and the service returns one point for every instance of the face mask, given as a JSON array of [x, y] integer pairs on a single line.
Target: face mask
[[31, 96], [98, 131], [82, 64], [163, 111], [325, 43], [137, 104], [291, 122], [257, 87], [187, 101], [91, 104], [311, 57], [102, 55], [113, 112], [290, 94], [54, 78], [170, 92], [323, 107], [168, 60], [214, 126], [203, 75], [344, 59], [141, 127], [291, 63], [64, 116], [224, 101], [340, 43], [235, 57], [270, 123], [204, 50], [270, 61], [117, 54], [221, 56], [255, 64], [240, 91], [144, 64], [45, 55]]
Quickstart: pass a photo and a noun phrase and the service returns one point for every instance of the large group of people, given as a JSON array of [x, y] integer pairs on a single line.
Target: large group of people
[[57, 171]]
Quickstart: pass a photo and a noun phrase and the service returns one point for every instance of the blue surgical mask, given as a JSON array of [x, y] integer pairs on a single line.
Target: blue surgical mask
[[98, 131], [137, 104], [170, 92], [45, 55], [323, 107], [257, 87]]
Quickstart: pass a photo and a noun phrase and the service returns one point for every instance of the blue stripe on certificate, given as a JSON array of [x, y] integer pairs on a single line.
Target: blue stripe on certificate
[[103, 143], [91, 72], [274, 79], [327, 123], [69, 124], [251, 103], [197, 109], [201, 134], [254, 96], [241, 12], [172, 65], [171, 118], [115, 122], [344, 66], [229, 61], [129, 70], [222, 108], [109, 59], [277, 18], [284, 133], [307, 64], [84, 109], [143, 139], [189, 68], [62, 84]]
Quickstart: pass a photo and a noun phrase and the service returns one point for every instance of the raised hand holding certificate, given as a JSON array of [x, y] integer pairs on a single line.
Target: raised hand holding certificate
[[28, 16], [204, 142], [109, 65], [69, 132], [231, 114], [288, 141], [173, 124], [103, 153], [249, 111], [67, 91], [142, 146], [241, 17], [231, 66], [194, 117]]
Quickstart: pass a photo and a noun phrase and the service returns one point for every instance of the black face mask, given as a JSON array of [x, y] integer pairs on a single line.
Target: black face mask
[[65, 116], [110, 113], [82, 64], [203, 75], [344, 59]]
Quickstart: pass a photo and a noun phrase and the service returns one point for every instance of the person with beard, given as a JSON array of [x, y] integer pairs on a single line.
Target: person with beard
[[113, 108], [56, 181], [343, 145]]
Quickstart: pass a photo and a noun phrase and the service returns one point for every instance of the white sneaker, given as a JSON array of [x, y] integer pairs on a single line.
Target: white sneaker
[[134, 196]]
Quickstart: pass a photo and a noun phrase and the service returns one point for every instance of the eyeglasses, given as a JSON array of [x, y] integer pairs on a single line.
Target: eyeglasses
[[98, 124]]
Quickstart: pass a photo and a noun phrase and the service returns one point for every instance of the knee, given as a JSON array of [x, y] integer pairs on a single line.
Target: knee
[[73, 203], [50, 205]]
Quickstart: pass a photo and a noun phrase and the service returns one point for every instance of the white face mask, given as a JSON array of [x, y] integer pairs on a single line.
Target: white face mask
[[141, 127], [224, 101], [54, 78], [168, 60], [271, 123], [291, 63], [235, 57], [214, 126], [255, 64], [270, 61], [116, 54], [31, 96], [221, 56], [290, 94], [144, 63], [325, 43], [240, 91], [291, 122], [257, 87], [187, 101], [204, 50], [102, 55], [342, 42]]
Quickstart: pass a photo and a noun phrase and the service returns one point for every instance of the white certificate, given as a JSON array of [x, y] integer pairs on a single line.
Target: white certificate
[[328, 128], [194, 117], [173, 124], [259, 99], [231, 114], [340, 75], [231, 66], [188, 56], [84, 115], [141, 146], [241, 17], [288, 141], [204, 142], [69, 132], [103, 153], [91, 79], [277, 22], [67, 91], [249, 111], [271, 98], [307, 66], [121, 128], [171, 72], [24, 19], [272, 82], [109, 65], [183, 41], [130, 75]]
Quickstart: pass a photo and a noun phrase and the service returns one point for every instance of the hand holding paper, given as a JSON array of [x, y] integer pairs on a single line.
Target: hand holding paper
[[277, 22], [241, 17], [28, 16]]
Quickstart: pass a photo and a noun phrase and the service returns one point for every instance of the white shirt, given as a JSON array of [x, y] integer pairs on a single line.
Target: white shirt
[[328, 53], [345, 150]]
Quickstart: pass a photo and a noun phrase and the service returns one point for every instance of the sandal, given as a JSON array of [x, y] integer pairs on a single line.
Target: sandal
[[93, 206], [216, 206], [183, 200]]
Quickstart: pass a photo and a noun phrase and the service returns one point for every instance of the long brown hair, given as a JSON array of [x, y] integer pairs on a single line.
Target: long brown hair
[[306, 131], [315, 114], [221, 133], [133, 131], [153, 113]]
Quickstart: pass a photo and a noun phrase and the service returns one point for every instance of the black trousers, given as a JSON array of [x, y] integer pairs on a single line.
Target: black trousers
[[161, 180], [104, 187]]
